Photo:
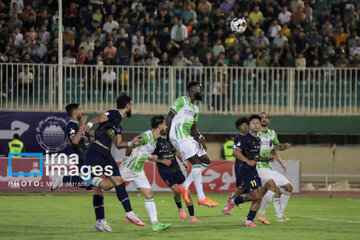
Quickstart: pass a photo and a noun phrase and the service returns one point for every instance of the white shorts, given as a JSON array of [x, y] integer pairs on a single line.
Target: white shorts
[[188, 148], [139, 178], [279, 179], [265, 175]]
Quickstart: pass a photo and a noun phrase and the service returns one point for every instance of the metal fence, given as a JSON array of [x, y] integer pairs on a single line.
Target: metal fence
[[227, 90]]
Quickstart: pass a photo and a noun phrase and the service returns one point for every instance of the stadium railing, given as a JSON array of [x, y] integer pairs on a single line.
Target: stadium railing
[[227, 90]]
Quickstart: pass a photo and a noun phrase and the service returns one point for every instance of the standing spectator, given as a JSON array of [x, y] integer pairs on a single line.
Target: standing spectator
[[340, 37], [189, 15], [122, 54], [204, 8], [70, 16], [141, 46], [298, 17], [279, 40], [110, 25], [44, 35], [15, 146], [19, 37], [108, 80], [300, 44], [81, 56], [217, 49], [39, 51], [179, 32], [68, 35], [26, 80], [256, 16], [284, 16], [110, 52], [274, 29], [88, 45]]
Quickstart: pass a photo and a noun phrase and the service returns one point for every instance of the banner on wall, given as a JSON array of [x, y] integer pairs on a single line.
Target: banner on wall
[[39, 131], [218, 177]]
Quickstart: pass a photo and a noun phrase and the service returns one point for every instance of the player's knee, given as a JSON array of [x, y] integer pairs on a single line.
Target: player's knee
[[258, 194], [149, 194], [205, 159], [194, 160], [288, 187], [271, 186]]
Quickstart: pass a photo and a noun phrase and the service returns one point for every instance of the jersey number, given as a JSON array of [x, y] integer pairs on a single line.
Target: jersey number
[[253, 183]]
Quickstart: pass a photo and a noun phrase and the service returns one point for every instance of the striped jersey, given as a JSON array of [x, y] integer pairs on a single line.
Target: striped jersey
[[187, 114], [141, 154], [269, 141]]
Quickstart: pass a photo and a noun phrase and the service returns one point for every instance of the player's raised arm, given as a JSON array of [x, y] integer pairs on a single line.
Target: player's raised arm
[[99, 119], [119, 143]]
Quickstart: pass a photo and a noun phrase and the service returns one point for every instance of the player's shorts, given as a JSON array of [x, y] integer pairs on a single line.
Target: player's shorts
[[279, 179], [97, 155], [188, 148], [139, 178], [171, 177], [265, 175], [249, 178]]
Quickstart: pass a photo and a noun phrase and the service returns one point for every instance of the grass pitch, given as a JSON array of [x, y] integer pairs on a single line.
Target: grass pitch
[[71, 216]]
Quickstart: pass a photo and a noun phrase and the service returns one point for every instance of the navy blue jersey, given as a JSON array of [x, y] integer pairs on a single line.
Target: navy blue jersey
[[163, 152], [107, 131], [72, 128], [249, 145]]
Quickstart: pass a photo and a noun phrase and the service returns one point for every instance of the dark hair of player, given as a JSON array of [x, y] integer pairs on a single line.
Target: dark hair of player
[[70, 108], [156, 121], [123, 100], [265, 113], [16, 136], [240, 121], [191, 84], [254, 116]]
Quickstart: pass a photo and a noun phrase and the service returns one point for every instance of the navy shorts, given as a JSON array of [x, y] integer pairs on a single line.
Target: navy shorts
[[172, 177], [97, 155], [248, 178]]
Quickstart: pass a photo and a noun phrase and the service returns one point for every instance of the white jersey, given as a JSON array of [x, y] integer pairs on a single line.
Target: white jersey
[[186, 115], [141, 154]]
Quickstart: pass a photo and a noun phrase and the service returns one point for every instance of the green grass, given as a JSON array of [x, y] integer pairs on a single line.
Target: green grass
[[70, 216]]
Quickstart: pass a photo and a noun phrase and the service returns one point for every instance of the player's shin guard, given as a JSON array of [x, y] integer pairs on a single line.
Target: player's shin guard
[[284, 199], [191, 210], [266, 200], [277, 206], [123, 197], [98, 203], [196, 170], [151, 208]]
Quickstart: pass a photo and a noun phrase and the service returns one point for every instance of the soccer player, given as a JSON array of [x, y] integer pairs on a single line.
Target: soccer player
[[172, 175], [98, 154], [269, 145], [247, 149], [182, 121], [79, 143], [242, 124], [131, 168]]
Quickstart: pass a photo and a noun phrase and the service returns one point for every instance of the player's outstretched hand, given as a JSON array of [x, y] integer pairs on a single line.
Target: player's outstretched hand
[[136, 140], [283, 167], [86, 128], [251, 163]]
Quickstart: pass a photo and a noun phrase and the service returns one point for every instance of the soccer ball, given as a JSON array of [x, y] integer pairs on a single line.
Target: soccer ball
[[238, 25]]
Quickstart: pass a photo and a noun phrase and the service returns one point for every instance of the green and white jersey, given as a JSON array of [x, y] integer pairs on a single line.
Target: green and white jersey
[[186, 115], [269, 141], [141, 154]]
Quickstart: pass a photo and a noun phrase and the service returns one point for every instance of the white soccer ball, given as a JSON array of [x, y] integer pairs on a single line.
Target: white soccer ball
[[238, 25]]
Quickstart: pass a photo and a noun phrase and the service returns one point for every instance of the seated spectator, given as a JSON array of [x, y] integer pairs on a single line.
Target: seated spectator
[[136, 37], [298, 17], [108, 80], [164, 60], [279, 40], [71, 13], [180, 60], [69, 58], [355, 50], [68, 35], [261, 38], [136, 59], [196, 67], [314, 38], [227, 5], [39, 51], [122, 54], [300, 61], [27, 12], [32, 34], [15, 9], [19, 37], [98, 49], [152, 60], [88, 45], [189, 15], [263, 59], [179, 32], [110, 25], [288, 61], [217, 49], [250, 62], [340, 37], [90, 60], [98, 35], [14, 22], [97, 18], [256, 16], [295, 4], [141, 46], [274, 29], [342, 61], [110, 52]]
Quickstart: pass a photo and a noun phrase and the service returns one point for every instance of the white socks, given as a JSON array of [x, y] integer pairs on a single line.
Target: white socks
[[190, 178], [266, 200], [277, 206], [196, 170], [151, 208], [284, 199]]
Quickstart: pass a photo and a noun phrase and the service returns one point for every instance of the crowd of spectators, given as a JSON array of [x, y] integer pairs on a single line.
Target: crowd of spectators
[[283, 33]]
